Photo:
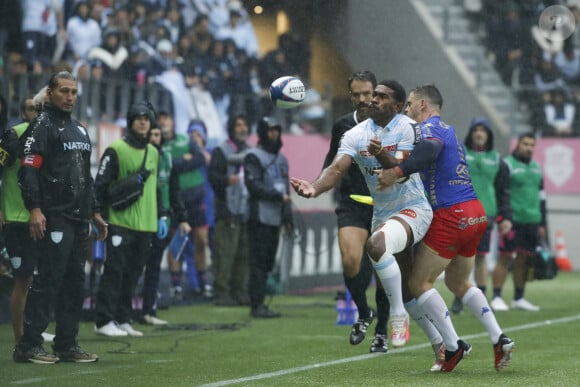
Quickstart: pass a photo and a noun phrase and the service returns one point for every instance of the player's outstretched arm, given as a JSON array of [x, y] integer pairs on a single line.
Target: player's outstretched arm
[[327, 180]]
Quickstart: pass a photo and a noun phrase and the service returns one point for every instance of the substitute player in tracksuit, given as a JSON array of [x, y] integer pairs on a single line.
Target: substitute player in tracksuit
[[130, 229], [57, 189]]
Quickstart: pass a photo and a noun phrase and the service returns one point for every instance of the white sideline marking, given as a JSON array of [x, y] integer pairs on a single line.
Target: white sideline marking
[[269, 375], [307, 367]]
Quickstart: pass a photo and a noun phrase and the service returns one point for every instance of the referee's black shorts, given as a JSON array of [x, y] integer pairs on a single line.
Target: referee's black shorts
[[353, 214]]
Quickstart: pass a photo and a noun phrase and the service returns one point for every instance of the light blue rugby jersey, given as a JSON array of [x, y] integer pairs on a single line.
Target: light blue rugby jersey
[[399, 134]]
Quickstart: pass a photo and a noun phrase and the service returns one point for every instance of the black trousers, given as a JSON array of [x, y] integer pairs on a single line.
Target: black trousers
[[152, 272], [127, 252], [262, 242], [59, 282]]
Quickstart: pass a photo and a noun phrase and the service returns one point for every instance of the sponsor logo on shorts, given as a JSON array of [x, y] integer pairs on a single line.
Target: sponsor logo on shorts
[[472, 221], [410, 213], [464, 223], [116, 240], [56, 236]]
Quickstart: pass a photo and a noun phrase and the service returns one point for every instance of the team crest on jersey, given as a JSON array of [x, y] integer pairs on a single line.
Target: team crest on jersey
[[410, 213]]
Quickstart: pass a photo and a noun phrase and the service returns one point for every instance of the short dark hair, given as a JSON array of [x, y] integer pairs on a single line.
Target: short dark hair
[[399, 90], [23, 102], [362, 76], [54, 78], [430, 93], [526, 135]]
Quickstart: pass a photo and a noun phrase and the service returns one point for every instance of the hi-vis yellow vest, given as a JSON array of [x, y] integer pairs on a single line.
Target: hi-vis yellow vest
[[141, 215]]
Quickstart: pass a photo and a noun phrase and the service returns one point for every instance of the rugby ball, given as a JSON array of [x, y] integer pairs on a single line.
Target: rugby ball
[[287, 92]]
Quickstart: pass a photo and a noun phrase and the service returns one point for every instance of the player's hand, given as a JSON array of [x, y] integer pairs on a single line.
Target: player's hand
[[302, 187], [102, 226], [184, 228], [504, 226], [375, 146], [386, 178], [37, 224]]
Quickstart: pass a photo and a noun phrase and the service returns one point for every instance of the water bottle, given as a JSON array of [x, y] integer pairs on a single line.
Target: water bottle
[[98, 251], [340, 311], [351, 311]]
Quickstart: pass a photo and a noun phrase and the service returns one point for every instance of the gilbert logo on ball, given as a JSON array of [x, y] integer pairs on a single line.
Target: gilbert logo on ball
[[287, 92]]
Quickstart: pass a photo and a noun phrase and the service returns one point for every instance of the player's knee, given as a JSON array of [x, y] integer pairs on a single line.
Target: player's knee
[[375, 245], [390, 239], [415, 286], [350, 265]]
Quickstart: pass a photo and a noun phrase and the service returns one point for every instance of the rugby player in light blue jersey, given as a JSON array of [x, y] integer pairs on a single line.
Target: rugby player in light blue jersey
[[401, 215]]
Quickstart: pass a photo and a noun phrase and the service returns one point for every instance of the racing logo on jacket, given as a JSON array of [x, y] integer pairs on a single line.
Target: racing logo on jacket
[[16, 262], [56, 236], [116, 240]]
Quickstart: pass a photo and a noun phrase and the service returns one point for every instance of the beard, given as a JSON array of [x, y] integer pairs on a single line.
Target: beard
[[272, 146]]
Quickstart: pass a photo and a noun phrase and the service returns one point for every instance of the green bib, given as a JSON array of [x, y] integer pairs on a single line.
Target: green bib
[[10, 197], [165, 166], [141, 215], [525, 180], [178, 147], [483, 168]]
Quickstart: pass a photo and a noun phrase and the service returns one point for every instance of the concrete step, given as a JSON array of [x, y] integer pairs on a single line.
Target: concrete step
[[450, 16]]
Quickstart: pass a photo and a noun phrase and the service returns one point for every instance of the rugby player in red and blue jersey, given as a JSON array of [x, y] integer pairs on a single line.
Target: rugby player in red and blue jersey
[[459, 221]]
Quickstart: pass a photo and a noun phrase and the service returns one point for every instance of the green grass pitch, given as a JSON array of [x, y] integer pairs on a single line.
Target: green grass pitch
[[218, 346]]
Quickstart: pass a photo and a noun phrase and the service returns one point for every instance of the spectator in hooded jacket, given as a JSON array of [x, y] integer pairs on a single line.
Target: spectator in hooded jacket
[[490, 179], [226, 175]]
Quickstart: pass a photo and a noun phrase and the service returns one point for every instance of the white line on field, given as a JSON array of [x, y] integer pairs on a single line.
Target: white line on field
[[269, 375]]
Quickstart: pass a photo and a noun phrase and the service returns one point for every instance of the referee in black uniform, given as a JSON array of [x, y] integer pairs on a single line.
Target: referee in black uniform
[[354, 221]]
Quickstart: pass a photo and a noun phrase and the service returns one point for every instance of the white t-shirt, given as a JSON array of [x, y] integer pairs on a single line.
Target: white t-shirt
[[40, 16], [83, 35]]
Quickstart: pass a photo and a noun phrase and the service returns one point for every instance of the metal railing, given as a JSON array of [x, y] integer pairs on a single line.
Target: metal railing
[[108, 100]]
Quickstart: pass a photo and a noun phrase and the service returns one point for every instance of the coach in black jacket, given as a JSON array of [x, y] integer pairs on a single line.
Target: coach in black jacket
[[57, 188]]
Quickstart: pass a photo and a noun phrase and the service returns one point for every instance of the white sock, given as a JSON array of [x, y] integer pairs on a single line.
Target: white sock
[[436, 311], [389, 273], [480, 308], [418, 316]]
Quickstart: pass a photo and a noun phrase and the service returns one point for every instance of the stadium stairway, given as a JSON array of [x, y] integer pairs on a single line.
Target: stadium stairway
[[454, 29]]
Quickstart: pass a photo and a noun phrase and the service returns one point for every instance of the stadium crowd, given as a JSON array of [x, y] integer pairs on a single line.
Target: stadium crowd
[[203, 50], [542, 65]]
